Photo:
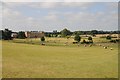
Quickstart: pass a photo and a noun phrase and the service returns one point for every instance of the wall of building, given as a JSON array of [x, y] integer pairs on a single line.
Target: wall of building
[[34, 34]]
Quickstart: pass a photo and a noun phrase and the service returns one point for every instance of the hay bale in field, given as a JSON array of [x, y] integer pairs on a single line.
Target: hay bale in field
[[43, 44], [105, 47], [111, 48]]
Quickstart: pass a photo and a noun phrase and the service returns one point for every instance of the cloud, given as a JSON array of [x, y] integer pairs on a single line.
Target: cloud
[[56, 19], [60, 0], [59, 4]]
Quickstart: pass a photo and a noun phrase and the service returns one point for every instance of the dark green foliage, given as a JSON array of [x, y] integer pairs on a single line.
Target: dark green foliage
[[1, 34], [6, 34], [65, 32], [56, 35], [77, 38], [21, 35], [89, 38], [108, 37], [84, 41], [42, 38], [93, 35]]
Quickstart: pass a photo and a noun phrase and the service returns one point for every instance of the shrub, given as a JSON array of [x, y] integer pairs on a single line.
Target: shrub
[[108, 37], [84, 41], [89, 38], [42, 39], [77, 38]]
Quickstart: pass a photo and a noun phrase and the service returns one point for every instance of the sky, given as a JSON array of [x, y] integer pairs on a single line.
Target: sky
[[49, 16]]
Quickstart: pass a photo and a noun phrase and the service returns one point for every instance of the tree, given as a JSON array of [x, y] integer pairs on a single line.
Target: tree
[[108, 37], [84, 41], [94, 32], [43, 38], [90, 38], [21, 35], [77, 38], [1, 32], [65, 32], [6, 34]]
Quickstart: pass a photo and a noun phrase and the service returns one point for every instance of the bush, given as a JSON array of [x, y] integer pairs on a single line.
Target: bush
[[84, 41], [77, 38], [89, 38], [42, 39], [21, 35], [108, 37]]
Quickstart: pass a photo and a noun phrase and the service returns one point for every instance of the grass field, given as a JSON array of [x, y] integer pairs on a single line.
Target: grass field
[[27, 60]]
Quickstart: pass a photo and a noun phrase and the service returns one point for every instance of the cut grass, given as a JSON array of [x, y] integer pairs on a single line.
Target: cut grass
[[36, 61]]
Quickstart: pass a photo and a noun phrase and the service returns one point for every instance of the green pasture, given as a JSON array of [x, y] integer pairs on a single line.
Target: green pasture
[[58, 41], [21, 59]]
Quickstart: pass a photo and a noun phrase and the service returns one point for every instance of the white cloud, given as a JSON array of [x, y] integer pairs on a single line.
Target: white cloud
[[15, 20], [83, 5], [60, 0]]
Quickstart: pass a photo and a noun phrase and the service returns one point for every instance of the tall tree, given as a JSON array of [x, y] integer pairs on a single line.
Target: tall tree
[[65, 32], [77, 38], [21, 35], [42, 38], [6, 34], [90, 38]]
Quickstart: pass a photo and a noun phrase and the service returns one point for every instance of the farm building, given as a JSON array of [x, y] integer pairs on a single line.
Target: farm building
[[14, 35], [34, 34]]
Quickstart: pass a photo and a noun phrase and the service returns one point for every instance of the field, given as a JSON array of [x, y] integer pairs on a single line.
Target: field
[[21, 59]]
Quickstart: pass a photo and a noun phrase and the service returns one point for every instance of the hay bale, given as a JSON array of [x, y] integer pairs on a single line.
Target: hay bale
[[105, 47], [111, 48]]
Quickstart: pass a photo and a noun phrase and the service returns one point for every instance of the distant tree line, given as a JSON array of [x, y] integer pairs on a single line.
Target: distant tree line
[[65, 32], [6, 34]]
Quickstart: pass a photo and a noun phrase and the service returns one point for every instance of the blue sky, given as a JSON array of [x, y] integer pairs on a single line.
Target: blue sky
[[49, 16]]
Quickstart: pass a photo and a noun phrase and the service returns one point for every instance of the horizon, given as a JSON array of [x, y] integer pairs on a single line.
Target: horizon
[[59, 30]]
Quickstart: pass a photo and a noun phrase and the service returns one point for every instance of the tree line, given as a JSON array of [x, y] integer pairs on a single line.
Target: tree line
[[6, 34], [65, 33]]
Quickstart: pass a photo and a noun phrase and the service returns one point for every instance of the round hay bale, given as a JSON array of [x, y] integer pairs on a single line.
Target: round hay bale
[[105, 47], [111, 48]]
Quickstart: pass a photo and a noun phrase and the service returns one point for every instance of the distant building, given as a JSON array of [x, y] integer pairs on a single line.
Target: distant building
[[34, 34], [14, 35]]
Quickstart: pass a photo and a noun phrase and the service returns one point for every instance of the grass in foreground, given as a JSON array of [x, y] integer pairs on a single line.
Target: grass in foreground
[[26, 60]]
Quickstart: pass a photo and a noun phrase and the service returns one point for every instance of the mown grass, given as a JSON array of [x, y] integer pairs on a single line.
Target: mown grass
[[27, 60]]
